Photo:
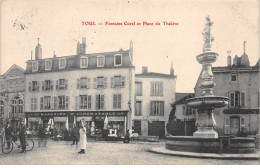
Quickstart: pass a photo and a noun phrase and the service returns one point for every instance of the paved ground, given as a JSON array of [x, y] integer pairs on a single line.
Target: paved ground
[[105, 153]]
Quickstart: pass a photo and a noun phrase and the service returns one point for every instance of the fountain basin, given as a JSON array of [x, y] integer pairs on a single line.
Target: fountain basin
[[207, 102], [211, 145], [207, 57]]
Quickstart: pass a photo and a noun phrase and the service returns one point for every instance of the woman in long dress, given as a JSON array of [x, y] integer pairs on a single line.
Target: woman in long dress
[[82, 139]]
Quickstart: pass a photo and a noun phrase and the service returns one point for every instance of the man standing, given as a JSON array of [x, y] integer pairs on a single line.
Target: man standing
[[75, 134], [42, 136], [22, 132], [8, 134]]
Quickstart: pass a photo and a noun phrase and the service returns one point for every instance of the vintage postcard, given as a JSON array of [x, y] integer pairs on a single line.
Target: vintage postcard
[[129, 82]]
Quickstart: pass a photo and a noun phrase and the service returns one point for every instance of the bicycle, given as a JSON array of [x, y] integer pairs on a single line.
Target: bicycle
[[6, 149]]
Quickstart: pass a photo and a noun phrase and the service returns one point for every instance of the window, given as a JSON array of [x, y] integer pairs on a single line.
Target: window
[[117, 101], [47, 85], [189, 111], [100, 82], [242, 124], [100, 61], [34, 66], [33, 103], [47, 102], [35, 86], [156, 88], [234, 78], [61, 100], [13, 106], [226, 125], [85, 102], [138, 89], [118, 81], [157, 108], [83, 62], [62, 63], [138, 108], [258, 95], [100, 101], [184, 110], [61, 84], [117, 60], [83, 83], [48, 64], [20, 106], [2, 107], [237, 99]]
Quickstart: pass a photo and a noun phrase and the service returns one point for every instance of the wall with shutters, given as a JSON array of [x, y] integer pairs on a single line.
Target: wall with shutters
[[72, 89], [168, 96]]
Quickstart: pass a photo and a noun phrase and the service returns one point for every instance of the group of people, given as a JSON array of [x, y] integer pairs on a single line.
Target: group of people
[[10, 135]]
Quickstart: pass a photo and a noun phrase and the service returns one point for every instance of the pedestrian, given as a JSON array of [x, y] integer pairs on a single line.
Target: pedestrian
[[42, 136], [82, 139], [127, 137], [8, 134], [21, 134], [75, 134]]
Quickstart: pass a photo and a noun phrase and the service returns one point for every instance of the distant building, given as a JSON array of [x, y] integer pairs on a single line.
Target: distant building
[[12, 89], [240, 83], [83, 86], [154, 93]]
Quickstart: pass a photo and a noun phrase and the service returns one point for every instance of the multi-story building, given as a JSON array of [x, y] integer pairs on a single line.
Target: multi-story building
[[12, 88], [240, 83], [83, 86], [154, 93]]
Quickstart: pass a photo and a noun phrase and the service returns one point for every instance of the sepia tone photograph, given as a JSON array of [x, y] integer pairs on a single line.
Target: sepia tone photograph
[[129, 82]]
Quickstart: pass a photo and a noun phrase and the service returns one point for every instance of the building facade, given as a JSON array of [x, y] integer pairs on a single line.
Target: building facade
[[81, 86], [12, 90], [154, 93], [240, 83]]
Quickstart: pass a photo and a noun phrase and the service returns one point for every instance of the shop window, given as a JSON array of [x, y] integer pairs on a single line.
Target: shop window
[[138, 108], [117, 60], [156, 88], [157, 108], [117, 101], [138, 89], [100, 101]]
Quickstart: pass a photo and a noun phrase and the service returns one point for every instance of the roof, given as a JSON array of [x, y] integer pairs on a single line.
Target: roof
[[73, 62], [179, 96], [183, 100], [154, 75]]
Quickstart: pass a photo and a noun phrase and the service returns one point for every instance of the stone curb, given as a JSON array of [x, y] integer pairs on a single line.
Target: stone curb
[[249, 156]]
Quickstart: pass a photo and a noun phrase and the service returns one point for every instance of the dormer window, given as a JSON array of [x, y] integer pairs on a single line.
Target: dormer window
[[48, 64], [83, 62], [117, 60], [234, 78], [100, 61], [35, 66], [62, 63]]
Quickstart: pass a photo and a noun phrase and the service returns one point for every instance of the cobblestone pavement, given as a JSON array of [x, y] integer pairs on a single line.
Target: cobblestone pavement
[[104, 153]]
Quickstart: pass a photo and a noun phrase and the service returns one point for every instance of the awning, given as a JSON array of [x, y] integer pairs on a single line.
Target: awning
[[34, 119], [116, 119], [85, 118], [60, 119]]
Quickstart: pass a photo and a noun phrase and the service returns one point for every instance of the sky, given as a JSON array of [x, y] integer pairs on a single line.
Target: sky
[[58, 24]]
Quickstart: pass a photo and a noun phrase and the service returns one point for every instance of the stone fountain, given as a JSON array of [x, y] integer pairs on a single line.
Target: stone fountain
[[205, 139]]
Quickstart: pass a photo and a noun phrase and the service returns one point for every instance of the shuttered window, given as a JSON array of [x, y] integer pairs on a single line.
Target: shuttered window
[[156, 88]]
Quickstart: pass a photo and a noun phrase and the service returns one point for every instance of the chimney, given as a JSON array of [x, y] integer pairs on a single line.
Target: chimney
[[81, 48], [171, 70], [229, 59], [38, 51], [144, 70]]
